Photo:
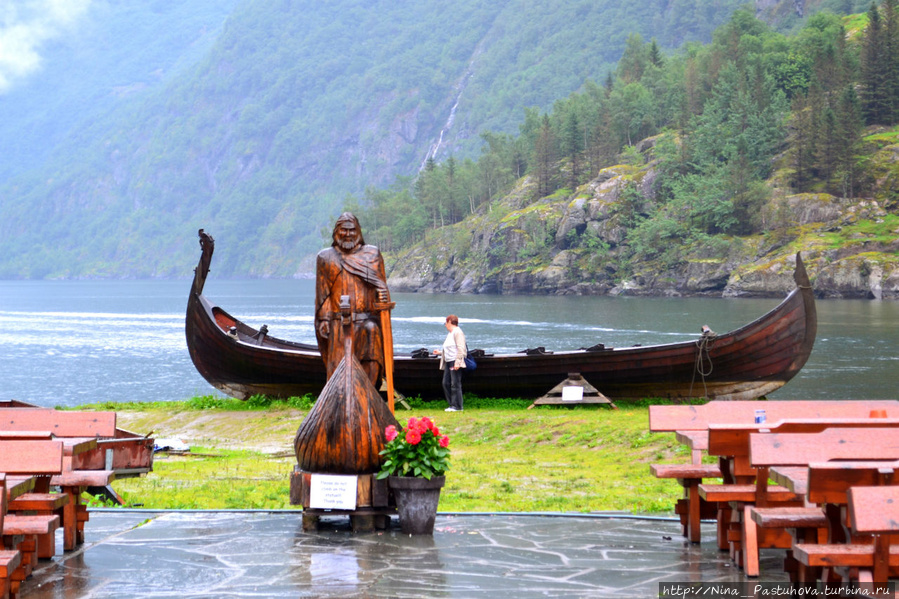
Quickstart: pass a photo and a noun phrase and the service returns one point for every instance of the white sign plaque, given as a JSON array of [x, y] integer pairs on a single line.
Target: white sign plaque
[[572, 393], [332, 492]]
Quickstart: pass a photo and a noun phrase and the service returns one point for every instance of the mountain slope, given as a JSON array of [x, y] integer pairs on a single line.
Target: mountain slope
[[297, 104]]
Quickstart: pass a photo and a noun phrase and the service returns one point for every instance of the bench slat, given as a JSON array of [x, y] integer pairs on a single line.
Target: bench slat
[[15, 524], [38, 501], [9, 561], [744, 493], [83, 478], [789, 517], [685, 470], [840, 554]]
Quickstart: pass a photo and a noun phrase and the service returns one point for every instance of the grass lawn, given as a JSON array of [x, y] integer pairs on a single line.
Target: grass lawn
[[505, 458]]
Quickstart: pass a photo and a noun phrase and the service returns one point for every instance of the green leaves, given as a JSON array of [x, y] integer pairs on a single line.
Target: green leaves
[[419, 451]]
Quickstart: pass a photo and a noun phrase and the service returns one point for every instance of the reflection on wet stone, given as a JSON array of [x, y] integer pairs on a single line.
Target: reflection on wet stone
[[248, 554]]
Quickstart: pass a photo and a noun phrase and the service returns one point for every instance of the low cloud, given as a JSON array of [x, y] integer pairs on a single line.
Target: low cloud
[[25, 25]]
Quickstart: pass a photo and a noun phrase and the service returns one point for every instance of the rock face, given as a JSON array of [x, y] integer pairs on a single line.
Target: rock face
[[578, 245]]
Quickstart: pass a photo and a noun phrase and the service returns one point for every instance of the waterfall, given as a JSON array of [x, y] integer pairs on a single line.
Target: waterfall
[[435, 147]]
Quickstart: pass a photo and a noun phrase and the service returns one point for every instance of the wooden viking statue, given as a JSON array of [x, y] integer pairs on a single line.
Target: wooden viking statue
[[351, 268], [344, 431]]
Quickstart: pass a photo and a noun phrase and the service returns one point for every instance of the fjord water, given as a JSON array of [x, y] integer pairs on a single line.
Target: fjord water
[[69, 343]]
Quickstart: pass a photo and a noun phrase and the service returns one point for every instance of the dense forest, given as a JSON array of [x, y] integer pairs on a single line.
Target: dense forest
[[297, 105], [716, 115]]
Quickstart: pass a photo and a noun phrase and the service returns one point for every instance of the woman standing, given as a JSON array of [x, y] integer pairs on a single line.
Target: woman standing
[[452, 361]]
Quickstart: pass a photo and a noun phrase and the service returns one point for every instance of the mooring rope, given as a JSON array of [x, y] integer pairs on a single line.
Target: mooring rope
[[703, 344]]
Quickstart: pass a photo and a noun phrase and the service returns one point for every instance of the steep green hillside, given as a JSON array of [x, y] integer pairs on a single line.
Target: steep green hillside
[[297, 104], [715, 166]]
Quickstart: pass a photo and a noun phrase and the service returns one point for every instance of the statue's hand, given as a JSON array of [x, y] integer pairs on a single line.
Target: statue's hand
[[324, 329], [383, 295]]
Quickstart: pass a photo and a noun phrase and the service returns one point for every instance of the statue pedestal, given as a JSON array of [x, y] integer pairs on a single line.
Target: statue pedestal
[[373, 502]]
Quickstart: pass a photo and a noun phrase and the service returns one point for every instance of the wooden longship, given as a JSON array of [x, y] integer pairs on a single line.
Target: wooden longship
[[747, 363]]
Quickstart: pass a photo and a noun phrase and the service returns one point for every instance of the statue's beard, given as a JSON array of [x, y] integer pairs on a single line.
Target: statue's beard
[[348, 245]]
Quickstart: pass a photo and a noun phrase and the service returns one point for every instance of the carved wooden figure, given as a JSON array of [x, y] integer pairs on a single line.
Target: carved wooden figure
[[356, 270]]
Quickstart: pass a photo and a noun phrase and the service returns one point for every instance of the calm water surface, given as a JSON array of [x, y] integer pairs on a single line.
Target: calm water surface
[[75, 342]]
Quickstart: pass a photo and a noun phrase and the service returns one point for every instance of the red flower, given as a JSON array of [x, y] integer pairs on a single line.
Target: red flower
[[390, 433], [444, 441], [413, 437]]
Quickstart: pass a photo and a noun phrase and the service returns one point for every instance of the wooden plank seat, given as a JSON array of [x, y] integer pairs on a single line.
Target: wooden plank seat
[[742, 536], [48, 459], [828, 485], [855, 561], [803, 524], [75, 515], [21, 533], [689, 476]]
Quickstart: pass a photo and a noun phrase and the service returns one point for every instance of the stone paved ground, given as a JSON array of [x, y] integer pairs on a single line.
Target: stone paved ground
[[267, 554]]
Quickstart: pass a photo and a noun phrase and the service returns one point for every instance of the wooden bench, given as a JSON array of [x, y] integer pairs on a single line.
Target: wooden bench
[[51, 461], [691, 508], [38, 460], [691, 423], [22, 533], [830, 485]]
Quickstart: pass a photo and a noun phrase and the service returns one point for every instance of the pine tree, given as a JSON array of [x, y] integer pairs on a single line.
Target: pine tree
[[848, 140], [891, 60], [875, 93], [545, 158], [572, 144]]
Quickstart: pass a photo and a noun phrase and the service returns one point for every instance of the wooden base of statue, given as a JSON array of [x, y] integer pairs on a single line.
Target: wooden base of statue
[[343, 436], [374, 505]]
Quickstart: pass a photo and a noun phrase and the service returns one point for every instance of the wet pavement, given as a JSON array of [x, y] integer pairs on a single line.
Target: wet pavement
[[131, 553]]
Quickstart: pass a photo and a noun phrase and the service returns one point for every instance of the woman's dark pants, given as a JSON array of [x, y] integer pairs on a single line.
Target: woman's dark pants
[[452, 387]]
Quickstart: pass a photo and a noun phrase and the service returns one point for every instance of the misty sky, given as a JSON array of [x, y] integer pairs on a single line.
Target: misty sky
[[25, 26]]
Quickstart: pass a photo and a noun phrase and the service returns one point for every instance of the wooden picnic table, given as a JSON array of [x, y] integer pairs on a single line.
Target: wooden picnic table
[[730, 443], [857, 456], [691, 424]]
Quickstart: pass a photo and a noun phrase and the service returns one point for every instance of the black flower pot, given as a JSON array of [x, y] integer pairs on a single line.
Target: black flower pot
[[416, 502]]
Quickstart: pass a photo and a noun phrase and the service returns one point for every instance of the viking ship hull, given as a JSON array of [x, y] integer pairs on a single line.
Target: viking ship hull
[[748, 362]]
